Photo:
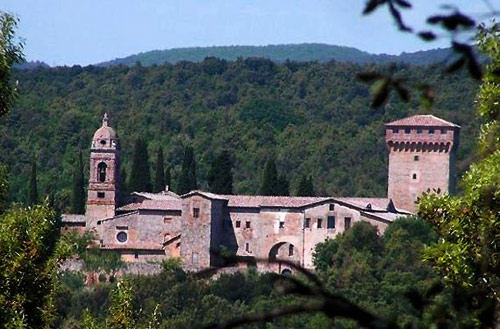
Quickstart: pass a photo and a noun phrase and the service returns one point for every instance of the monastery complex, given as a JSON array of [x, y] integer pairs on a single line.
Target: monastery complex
[[195, 226]]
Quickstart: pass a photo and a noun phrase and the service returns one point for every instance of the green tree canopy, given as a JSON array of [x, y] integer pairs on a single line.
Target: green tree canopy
[[159, 183], [187, 178], [306, 187], [33, 187], [78, 191], [220, 177], [140, 176]]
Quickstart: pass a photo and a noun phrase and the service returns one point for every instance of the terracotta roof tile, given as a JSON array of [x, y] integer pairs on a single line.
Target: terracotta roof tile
[[426, 120], [172, 204]]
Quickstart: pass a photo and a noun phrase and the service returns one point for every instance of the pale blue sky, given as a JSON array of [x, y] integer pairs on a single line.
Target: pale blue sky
[[66, 32]]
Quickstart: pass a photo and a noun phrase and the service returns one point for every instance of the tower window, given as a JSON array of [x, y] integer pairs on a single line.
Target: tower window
[[238, 223], [407, 130], [247, 247], [443, 130], [101, 195], [414, 176], [101, 172], [136, 255], [282, 224], [331, 206], [415, 158], [419, 130], [431, 131], [103, 142], [331, 222], [395, 130], [290, 250]]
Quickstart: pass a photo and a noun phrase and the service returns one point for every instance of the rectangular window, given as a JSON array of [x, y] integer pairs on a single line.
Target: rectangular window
[[395, 130], [331, 222], [331, 207], [290, 250], [247, 224], [443, 130], [407, 130], [347, 223], [238, 223], [167, 220], [307, 222], [431, 131], [196, 212], [320, 222], [100, 195], [247, 247], [282, 224], [419, 130], [415, 158], [136, 255]]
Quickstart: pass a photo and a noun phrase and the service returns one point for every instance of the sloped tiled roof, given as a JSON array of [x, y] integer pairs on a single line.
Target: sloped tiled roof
[[271, 201], [169, 204], [73, 218], [426, 120], [165, 195]]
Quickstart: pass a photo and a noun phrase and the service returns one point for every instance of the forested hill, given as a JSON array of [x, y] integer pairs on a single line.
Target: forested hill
[[314, 118], [279, 53]]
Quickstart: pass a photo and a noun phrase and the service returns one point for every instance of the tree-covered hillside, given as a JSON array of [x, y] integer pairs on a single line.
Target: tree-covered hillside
[[313, 118], [279, 53]]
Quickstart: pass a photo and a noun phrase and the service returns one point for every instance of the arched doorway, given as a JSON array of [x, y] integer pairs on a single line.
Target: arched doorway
[[283, 251]]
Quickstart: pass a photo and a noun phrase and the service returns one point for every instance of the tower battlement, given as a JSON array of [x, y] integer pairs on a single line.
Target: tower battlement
[[421, 157]]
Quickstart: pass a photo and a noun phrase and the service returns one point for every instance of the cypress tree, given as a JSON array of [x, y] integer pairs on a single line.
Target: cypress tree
[[33, 188], [187, 179], [159, 184], [306, 187], [78, 192], [270, 181], [168, 178], [283, 187], [140, 177], [220, 178], [123, 180]]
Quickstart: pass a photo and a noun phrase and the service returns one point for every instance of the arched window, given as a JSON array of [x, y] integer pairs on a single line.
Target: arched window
[[290, 250], [101, 172]]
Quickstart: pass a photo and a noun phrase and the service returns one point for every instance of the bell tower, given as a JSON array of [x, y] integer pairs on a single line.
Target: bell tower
[[421, 157], [104, 177]]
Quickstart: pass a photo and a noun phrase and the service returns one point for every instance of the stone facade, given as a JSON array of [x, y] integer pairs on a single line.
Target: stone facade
[[421, 157], [196, 227]]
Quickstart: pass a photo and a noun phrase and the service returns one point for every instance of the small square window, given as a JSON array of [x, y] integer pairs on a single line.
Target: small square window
[[307, 222], [443, 130], [395, 130], [331, 222], [247, 224], [407, 130], [431, 131], [415, 158], [238, 223], [414, 176], [347, 223], [101, 195], [282, 224], [320, 222], [419, 130], [331, 206], [196, 212], [136, 255]]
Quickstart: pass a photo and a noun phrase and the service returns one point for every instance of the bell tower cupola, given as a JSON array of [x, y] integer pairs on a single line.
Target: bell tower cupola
[[104, 177]]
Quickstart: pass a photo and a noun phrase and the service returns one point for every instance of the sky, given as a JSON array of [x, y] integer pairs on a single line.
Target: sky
[[68, 32]]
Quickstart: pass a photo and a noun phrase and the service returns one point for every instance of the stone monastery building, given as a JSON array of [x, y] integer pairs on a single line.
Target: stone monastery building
[[194, 226]]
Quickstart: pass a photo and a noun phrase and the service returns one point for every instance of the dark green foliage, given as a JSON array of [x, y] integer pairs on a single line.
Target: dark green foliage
[[268, 112], [278, 53], [270, 182], [140, 176], [220, 178], [159, 183], [340, 141], [283, 186], [187, 178], [78, 193], [306, 187], [33, 187], [168, 177]]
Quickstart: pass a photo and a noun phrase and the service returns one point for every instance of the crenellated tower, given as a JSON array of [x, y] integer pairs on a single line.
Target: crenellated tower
[[104, 177], [421, 157]]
